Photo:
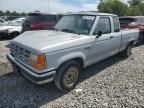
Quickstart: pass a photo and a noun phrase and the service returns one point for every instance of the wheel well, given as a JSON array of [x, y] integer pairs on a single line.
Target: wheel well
[[78, 59], [15, 32], [131, 42]]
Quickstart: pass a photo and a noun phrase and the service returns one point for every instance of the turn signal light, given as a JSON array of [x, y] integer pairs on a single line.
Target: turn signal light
[[38, 61]]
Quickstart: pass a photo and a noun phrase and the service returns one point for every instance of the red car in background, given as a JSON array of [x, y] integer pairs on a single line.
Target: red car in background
[[130, 22], [40, 21]]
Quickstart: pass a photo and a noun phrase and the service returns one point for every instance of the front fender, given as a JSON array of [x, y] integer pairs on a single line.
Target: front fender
[[71, 56]]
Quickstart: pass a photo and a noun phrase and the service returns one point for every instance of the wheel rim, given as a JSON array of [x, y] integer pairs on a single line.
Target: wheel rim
[[70, 76], [129, 51]]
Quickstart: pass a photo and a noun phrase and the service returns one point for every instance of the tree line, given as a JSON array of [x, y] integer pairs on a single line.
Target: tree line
[[13, 13], [132, 8]]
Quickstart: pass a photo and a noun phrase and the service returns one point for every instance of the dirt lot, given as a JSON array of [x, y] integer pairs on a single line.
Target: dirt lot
[[4, 65], [114, 82]]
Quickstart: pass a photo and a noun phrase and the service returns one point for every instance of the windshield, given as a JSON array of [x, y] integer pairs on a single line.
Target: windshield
[[15, 23], [79, 24], [18, 20]]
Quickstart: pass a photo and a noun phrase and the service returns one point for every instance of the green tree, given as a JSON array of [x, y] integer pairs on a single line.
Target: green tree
[[134, 11], [14, 13], [8, 13], [135, 2], [136, 7], [1, 13], [113, 6], [105, 7], [23, 14], [142, 8]]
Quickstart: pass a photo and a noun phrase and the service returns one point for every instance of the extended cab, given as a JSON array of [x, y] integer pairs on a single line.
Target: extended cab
[[131, 22], [79, 40]]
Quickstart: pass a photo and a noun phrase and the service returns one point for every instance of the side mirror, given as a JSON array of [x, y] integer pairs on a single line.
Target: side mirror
[[99, 34]]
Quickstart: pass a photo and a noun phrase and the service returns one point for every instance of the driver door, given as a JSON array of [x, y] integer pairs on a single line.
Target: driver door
[[102, 45]]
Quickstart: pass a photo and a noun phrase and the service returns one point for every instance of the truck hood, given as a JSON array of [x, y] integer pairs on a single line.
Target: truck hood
[[44, 39]]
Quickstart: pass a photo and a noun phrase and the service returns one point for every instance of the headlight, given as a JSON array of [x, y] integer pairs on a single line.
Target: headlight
[[38, 61], [33, 57]]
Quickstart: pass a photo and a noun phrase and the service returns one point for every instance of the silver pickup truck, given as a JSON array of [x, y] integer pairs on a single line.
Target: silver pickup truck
[[77, 41]]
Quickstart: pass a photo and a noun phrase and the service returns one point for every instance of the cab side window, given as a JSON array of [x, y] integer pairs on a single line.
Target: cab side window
[[104, 25], [116, 24]]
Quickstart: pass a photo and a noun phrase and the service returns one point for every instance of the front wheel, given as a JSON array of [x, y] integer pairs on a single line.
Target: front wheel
[[67, 75], [16, 70]]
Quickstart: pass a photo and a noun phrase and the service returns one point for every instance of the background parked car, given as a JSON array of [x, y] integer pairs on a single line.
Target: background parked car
[[10, 18], [134, 22], [2, 21], [18, 20], [40, 21], [10, 30]]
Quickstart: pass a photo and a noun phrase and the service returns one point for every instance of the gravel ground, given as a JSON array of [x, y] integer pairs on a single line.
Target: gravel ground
[[4, 65], [114, 82]]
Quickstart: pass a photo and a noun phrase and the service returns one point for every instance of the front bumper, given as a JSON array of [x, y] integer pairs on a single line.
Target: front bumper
[[31, 75]]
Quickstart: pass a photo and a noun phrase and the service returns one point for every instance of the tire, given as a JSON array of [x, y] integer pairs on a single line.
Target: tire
[[67, 75], [15, 34], [127, 52], [16, 70], [140, 39]]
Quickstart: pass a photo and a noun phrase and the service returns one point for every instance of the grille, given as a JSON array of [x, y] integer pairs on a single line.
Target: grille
[[19, 53]]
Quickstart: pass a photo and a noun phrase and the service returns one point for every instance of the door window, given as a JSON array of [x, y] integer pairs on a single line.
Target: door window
[[104, 25]]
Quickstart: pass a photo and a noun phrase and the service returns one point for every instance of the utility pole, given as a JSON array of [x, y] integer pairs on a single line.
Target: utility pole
[[48, 6]]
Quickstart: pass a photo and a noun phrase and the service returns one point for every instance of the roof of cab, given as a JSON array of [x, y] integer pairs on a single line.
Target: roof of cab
[[91, 13]]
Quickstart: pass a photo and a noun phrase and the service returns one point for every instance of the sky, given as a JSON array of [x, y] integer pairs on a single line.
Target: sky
[[54, 6]]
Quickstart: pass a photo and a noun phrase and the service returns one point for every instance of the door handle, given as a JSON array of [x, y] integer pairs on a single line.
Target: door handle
[[87, 48], [111, 37]]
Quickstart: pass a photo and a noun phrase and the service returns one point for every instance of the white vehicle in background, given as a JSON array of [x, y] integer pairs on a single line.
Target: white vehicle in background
[[18, 20], [10, 30], [2, 21]]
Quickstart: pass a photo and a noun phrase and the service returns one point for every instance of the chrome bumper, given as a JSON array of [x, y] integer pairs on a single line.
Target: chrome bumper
[[31, 75]]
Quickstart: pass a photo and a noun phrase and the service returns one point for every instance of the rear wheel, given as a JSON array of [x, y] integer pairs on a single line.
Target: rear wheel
[[140, 39], [67, 75], [128, 51]]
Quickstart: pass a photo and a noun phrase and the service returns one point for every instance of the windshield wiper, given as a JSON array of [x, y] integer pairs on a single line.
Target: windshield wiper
[[56, 29], [67, 30]]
